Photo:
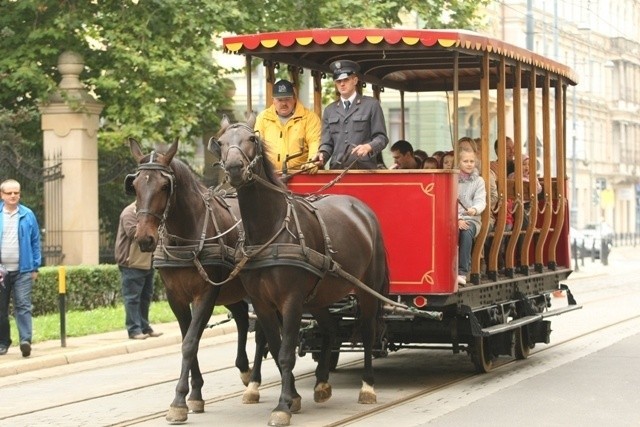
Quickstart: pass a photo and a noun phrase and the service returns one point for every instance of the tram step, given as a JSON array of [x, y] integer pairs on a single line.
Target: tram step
[[514, 324], [561, 310]]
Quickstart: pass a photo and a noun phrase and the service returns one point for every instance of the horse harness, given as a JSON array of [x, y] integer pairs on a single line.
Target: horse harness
[[205, 251]]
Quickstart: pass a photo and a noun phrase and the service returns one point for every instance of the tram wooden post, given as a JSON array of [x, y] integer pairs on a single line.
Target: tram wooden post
[[62, 304]]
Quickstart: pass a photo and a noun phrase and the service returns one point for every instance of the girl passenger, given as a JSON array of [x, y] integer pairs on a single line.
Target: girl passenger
[[472, 200]]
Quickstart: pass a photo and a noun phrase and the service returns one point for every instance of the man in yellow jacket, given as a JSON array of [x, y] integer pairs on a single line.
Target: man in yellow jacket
[[291, 132]]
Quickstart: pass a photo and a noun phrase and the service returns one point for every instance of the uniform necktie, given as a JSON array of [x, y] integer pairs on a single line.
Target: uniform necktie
[[347, 104]]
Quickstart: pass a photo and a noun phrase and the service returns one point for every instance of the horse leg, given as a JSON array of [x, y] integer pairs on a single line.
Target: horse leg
[[191, 339], [322, 390], [240, 312], [252, 393], [178, 410], [290, 400], [368, 316]]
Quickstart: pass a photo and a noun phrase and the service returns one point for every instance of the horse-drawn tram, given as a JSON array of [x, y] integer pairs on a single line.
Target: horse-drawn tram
[[516, 93], [376, 249]]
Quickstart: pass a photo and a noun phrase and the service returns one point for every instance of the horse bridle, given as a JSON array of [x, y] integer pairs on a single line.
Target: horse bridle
[[248, 172], [166, 172]]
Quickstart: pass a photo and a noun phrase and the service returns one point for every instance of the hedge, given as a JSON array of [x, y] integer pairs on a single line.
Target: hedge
[[87, 287]]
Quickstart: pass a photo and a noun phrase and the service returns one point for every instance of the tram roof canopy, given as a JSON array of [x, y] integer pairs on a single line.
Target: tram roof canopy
[[408, 60]]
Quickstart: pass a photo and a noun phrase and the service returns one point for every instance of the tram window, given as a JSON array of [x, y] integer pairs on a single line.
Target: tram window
[[395, 124]]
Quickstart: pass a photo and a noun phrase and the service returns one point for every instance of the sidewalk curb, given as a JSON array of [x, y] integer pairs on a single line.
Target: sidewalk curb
[[50, 354]]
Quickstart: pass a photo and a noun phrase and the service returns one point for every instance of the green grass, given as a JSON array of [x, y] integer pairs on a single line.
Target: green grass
[[81, 323]]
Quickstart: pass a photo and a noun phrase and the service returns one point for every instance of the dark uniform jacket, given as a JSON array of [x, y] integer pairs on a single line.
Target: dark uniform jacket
[[342, 130]]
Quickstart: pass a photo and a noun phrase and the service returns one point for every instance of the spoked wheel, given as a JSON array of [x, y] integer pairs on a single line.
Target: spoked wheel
[[481, 355], [521, 343]]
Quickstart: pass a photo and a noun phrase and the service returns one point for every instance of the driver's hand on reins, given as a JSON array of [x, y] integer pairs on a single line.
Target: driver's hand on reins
[[319, 159]]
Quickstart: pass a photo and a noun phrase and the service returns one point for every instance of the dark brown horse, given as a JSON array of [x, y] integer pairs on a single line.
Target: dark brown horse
[[193, 233], [294, 251]]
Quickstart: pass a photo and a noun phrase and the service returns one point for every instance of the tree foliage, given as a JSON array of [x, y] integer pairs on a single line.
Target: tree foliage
[[150, 62]]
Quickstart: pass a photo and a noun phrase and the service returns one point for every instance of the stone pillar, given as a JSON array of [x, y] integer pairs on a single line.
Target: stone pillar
[[70, 122]]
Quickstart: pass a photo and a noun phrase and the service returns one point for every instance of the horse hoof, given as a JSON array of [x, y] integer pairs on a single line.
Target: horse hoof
[[296, 404], [251, 394], [176, 415], [322, 392], [367, 397], [245, 377], [196, 406], [279, 418]]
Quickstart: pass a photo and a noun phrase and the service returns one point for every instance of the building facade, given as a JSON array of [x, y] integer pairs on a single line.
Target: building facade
[[600, 40]]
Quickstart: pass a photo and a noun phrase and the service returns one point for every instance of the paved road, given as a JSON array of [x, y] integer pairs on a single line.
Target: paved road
[[77, 371]]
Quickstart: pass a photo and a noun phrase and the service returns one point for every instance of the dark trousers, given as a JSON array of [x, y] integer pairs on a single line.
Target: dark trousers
[[137, 292]]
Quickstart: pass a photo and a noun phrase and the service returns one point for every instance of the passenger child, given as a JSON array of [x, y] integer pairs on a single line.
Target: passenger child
[[447, 160], [430, 163], [525, 178], [420, 155], [472, 200], [438, 155]]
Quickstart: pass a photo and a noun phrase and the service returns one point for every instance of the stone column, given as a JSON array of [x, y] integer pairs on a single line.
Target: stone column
[[70, 122]]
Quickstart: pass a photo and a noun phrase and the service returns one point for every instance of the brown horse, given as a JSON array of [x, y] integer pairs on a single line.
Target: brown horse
[[193, 233], [293, 252]]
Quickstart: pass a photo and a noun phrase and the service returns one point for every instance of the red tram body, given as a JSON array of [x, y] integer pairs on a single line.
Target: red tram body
[[415, 210], [505, 312]]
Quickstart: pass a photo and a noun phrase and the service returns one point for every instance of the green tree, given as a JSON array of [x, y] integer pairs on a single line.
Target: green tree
[[150, 61]]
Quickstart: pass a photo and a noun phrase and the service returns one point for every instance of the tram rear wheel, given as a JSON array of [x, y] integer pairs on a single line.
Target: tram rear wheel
[[521, 349], [481, 355]]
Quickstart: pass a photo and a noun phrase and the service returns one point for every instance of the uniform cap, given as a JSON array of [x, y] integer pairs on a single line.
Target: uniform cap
[[343, 68]]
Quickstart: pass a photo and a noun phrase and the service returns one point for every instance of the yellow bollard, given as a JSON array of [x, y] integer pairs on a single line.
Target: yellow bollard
[[62, 306]]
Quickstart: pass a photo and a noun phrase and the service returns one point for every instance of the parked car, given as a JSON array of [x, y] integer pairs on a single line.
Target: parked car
[[595, 235]]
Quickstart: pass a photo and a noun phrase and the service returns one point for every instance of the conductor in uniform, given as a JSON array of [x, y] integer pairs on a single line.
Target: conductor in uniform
[[353, 127]]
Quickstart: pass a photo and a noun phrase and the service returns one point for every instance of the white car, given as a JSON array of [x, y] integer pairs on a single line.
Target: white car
[[595, 234]]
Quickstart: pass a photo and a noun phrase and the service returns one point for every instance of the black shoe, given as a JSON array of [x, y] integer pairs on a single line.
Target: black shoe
[[3, 350], [25, 348]]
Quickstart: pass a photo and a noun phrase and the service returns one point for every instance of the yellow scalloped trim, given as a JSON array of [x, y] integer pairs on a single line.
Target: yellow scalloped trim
[[446, 42], [410, 40], [234, 47], [303, 41], [269, 43], [339, 39], [374, 39]]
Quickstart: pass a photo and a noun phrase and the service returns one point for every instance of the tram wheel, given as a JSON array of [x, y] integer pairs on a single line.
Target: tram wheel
[[481, 355], [521, 344]]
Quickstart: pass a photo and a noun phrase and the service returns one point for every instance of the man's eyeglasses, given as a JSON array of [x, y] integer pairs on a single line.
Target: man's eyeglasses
[[12, 193]]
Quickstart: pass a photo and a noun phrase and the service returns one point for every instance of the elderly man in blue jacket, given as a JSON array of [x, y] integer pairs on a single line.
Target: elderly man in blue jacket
[[20, 255]]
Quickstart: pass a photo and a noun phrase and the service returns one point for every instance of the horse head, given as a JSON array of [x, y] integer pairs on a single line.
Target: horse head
[[239, 149], [153, 185]]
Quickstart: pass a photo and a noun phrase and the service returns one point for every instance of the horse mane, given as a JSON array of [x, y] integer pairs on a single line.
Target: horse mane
[[183, 172], [268, 168]]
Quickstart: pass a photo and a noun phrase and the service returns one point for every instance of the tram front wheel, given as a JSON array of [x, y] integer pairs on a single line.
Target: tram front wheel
[[481, 354], [521, 344]]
